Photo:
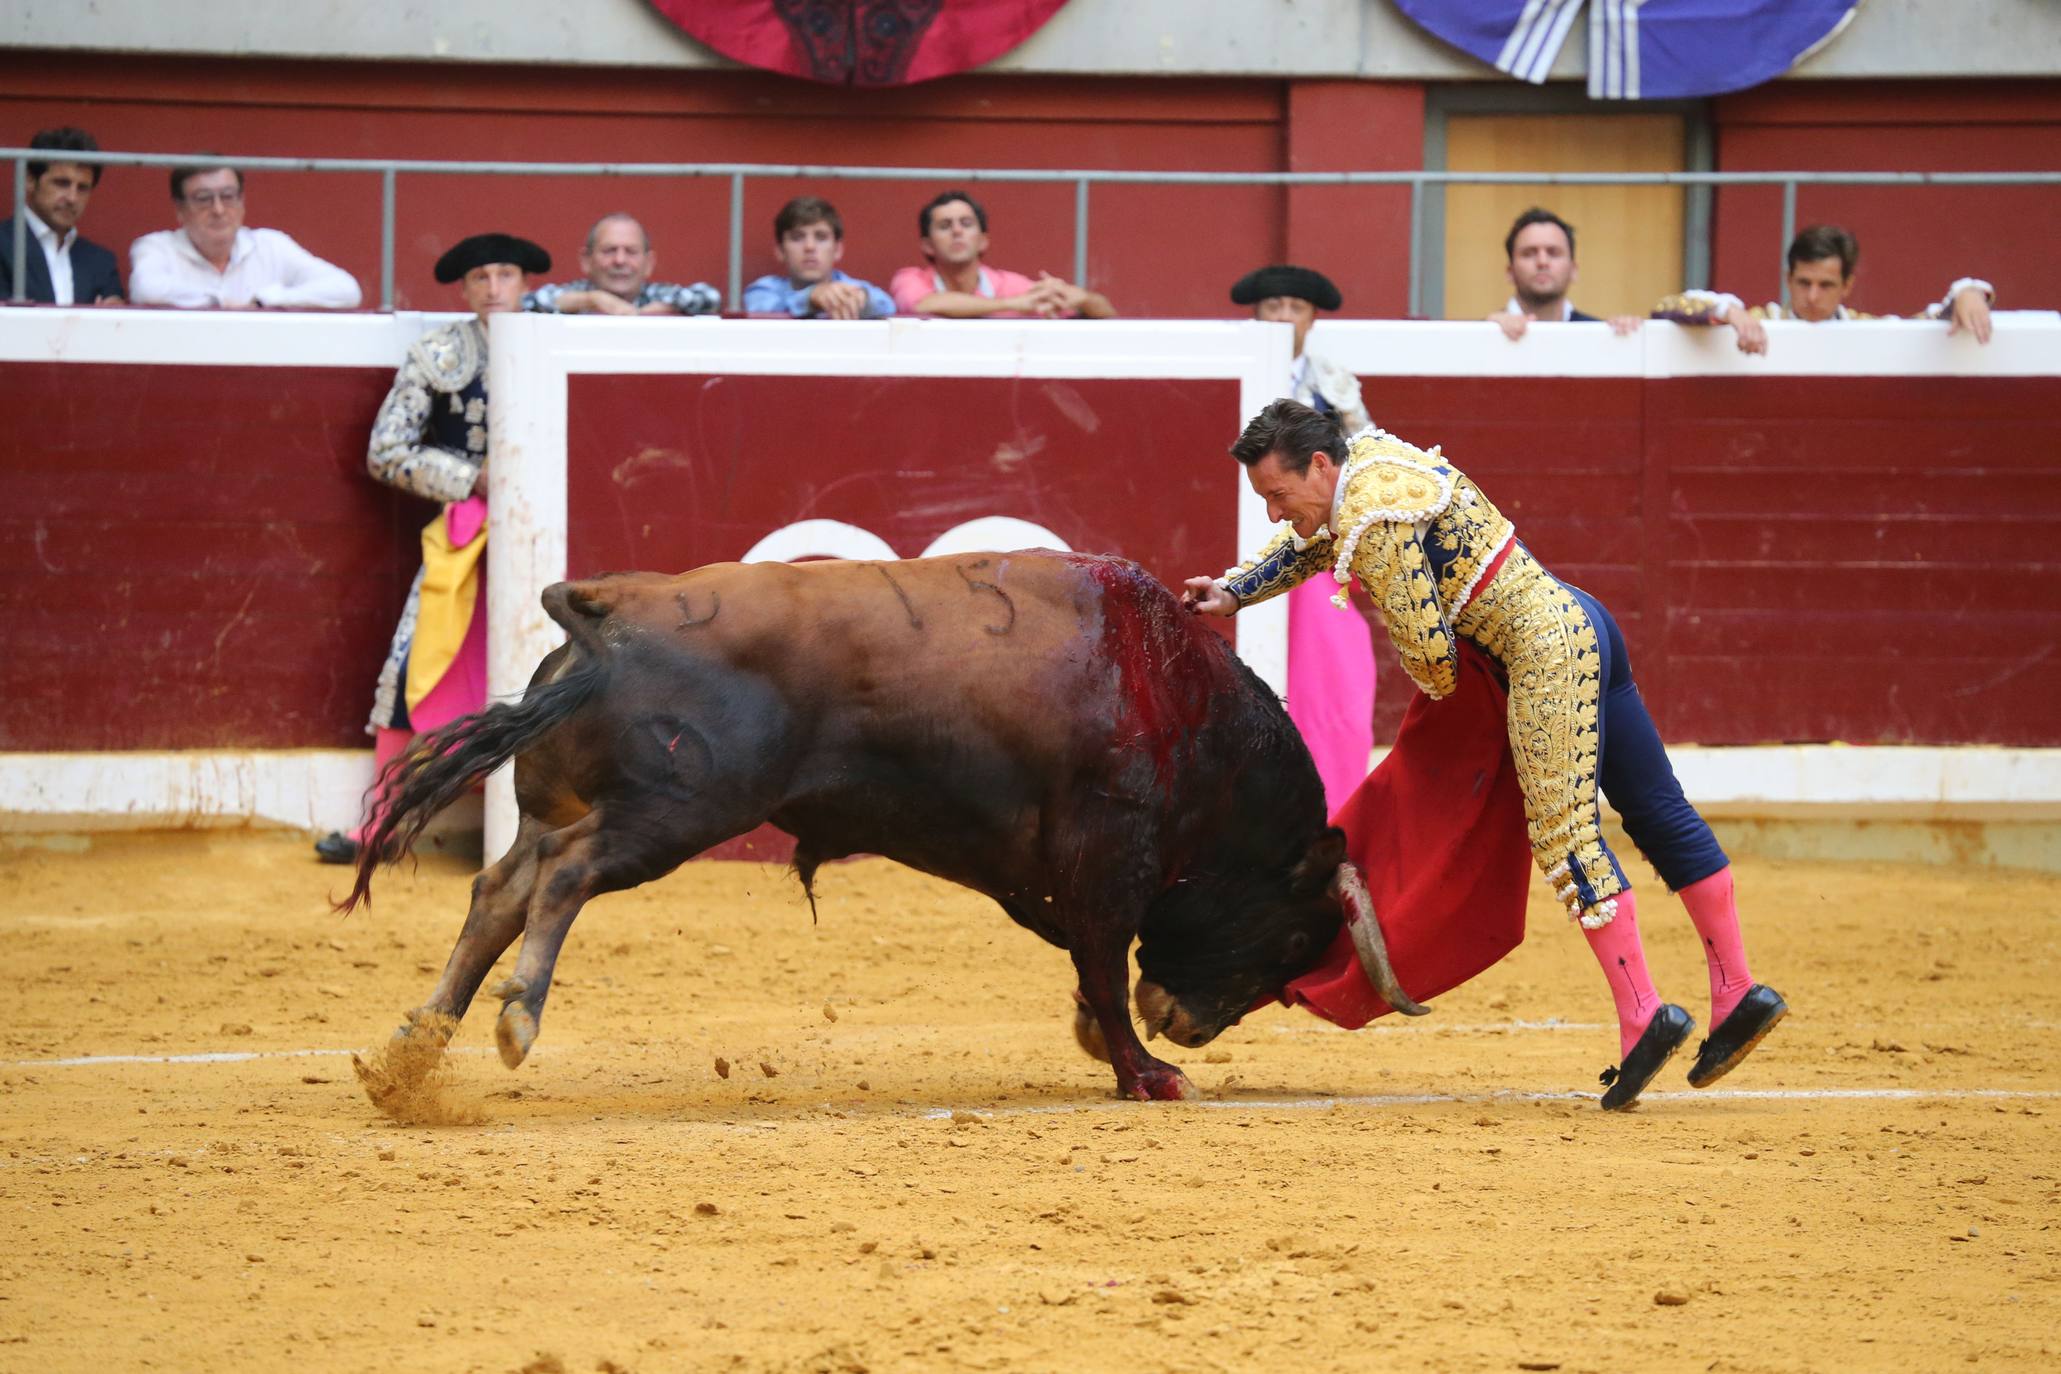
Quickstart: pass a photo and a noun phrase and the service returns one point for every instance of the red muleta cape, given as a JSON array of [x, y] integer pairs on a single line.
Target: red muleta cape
[[1439, 831]]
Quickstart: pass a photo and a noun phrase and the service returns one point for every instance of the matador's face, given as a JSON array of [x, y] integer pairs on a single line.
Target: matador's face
[[1303, 499]]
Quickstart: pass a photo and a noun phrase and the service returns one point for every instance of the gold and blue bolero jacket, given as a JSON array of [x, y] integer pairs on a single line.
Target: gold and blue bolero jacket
[[1417, 534]]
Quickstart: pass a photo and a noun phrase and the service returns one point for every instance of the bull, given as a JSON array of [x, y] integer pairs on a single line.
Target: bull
[[1051, 730]]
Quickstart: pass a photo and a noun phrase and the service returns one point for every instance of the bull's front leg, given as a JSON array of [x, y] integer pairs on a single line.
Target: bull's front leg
[[1102, 958]]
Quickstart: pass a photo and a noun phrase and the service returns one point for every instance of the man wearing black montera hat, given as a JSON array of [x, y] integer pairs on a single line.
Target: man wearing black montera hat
[[431, 440], [1294, 295]]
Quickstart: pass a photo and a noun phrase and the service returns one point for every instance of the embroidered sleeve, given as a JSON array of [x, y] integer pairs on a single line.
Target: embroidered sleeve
[[1275, 568], [1388, 559], [1943, 308], [399, 455], [692, 298], [1696, 307]]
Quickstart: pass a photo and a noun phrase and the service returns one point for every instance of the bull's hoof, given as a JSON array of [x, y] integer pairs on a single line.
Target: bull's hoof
[[1163, 1084], [434, 1028], [514, 1033], [1088, 1032]]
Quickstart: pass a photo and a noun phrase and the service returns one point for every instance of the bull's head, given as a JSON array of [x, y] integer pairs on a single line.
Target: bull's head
[[1214, 948]]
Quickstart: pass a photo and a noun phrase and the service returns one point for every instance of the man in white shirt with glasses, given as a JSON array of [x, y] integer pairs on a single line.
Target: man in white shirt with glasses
[[212, 262]]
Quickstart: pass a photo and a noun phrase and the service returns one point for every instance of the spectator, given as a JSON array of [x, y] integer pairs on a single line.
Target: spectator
[[1540, 247], [430, 439], [618, 263], [1294, 295], [953, 231], [212, 262], [808, 242], [1822, 262], [61, 268]]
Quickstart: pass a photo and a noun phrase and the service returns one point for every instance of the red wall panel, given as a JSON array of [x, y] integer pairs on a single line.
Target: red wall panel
[[1914, 240], [673, 472], [193, 557], [1868, 559]]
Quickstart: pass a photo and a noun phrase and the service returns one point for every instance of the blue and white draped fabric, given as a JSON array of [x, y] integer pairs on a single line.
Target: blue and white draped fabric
[[1641, 49]]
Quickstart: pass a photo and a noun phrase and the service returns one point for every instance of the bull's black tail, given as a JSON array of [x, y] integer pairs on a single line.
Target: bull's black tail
[[439, 768]]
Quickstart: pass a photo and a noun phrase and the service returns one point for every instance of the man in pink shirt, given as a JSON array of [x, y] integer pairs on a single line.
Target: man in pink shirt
[[953, 229]]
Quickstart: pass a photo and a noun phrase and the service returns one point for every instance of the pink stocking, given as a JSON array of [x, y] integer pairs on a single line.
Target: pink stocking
[[387, 746], [1623, 959], [1717, 920]]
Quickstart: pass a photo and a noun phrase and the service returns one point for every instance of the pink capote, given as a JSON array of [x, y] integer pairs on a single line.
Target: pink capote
[[463, 687], [1330, 686], [1439, 831]]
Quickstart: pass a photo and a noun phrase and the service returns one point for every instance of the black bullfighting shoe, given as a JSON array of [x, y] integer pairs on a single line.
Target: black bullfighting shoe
[[1745, 1026], [336, 848], [1663, 1035]]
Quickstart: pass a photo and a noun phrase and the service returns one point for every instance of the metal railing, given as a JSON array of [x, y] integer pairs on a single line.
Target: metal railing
[[390, 170]]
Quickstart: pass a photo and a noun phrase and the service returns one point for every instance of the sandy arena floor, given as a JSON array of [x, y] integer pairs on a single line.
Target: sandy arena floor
[[911, 1166]]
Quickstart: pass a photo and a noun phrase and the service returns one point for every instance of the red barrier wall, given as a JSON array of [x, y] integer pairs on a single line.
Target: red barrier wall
[[193, 557], [1867, 559]]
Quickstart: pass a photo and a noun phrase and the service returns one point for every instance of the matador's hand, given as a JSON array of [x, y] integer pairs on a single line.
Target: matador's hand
[[1206, 596]]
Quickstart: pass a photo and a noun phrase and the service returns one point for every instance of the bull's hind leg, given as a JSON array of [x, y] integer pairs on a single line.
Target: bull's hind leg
[[500, 902], [500, 898], [1101, 951], [574, 865]]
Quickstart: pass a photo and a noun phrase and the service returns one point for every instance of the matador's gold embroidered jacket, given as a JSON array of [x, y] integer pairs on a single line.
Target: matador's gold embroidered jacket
[[1415, 531]]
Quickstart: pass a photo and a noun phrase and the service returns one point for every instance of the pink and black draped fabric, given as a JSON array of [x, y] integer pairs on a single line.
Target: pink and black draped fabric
[[1641, 49], [861, 42]]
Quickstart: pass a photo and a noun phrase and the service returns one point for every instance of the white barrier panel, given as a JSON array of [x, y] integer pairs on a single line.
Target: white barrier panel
[[532, 356], [2026, 343]]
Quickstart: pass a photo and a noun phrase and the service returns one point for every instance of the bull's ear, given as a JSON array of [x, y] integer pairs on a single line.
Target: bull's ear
[[1313, 872]]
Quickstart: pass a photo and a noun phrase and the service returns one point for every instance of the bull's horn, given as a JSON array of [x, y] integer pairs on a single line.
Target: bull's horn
[[1351, 890]]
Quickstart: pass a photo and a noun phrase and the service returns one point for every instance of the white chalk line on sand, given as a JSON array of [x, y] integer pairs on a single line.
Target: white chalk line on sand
[[1288, 1104], [91, 1061], [246, 1056], [1306, 1104]]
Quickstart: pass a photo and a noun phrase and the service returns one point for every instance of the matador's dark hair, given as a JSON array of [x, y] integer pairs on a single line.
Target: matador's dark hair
[[1292, 432]]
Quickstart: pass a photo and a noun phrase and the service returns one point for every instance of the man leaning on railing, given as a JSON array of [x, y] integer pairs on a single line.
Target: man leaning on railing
[[1822, 262], [212, 262], [60, 267], [616, 267]]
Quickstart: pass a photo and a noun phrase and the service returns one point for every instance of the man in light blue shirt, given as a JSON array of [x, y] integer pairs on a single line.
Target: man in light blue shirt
[[808, 240]]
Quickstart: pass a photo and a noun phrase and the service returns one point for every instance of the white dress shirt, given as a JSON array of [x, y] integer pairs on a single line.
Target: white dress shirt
[[265, 267], [57, 252]]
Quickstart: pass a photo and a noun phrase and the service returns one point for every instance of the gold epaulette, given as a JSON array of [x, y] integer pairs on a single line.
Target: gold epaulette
[[1387, 479]]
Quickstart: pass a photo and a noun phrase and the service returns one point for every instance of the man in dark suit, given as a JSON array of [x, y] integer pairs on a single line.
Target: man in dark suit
[[1540, 247], [60, 267]]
